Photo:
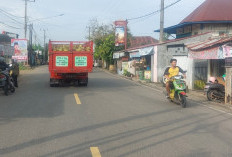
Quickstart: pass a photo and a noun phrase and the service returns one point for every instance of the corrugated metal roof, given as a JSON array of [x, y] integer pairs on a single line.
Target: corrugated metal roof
[[211, 10], [197, 46]]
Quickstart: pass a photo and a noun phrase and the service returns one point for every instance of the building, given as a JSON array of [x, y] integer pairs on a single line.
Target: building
[[205, 31], [5, 47], [138, 59]]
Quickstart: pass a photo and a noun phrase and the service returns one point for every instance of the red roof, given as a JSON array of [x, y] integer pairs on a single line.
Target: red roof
[[211, 10], [142, 40]]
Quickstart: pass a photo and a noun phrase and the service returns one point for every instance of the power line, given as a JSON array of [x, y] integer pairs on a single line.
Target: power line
[[154, 12], [10, 17], [10, 14], [9, 25]]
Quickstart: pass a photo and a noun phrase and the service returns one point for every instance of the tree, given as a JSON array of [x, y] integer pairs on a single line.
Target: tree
[[103, 37]]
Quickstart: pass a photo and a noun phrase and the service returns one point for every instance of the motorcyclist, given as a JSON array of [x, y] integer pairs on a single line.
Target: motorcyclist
[[170, 72], [3, 65]]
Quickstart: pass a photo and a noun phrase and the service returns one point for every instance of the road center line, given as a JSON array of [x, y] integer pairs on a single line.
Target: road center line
[[95, 152], [77, 98]]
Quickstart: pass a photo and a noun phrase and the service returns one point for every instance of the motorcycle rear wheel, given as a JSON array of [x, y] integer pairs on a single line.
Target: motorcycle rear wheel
[[183, 101], [210, 94], [6, 89]]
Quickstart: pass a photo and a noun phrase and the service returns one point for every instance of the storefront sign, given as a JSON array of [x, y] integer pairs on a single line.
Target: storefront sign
[[227, 51], [205, 54], [116, 55], [134, 54], [147, 75], [61, 61], [81, 61], [125, 58], [20, 49], [221, 52], [124, 65]]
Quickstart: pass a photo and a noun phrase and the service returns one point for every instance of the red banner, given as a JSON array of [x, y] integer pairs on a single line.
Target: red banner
[[120, 33]]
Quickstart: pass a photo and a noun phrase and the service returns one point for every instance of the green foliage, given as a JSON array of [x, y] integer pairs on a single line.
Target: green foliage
[[37, 47], [22, 66], [104, 40], [126, 73]]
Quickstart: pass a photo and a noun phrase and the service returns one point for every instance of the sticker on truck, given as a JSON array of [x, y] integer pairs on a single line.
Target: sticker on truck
[[61, 61], [81, 61]]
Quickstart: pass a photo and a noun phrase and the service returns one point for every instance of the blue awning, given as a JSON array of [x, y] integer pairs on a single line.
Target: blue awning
[[146, 51], [172, 29]]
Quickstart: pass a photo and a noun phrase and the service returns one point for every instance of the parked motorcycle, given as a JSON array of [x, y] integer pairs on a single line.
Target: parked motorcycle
[[214, 91], [6, 82], [178, 90]]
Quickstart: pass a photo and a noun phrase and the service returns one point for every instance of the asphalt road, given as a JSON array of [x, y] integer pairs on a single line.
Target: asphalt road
[[112, 117]]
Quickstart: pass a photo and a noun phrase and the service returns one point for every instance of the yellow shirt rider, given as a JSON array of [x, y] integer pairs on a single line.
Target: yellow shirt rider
[[170, 72]]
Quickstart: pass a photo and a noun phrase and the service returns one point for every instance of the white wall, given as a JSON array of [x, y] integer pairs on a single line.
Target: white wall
[[154, 67]]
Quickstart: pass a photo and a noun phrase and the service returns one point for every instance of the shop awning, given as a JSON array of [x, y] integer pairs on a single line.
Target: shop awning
[[146, 51]]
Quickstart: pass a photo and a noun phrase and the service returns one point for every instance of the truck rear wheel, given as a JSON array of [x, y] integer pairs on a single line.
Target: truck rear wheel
[[51, 83], [83, 82]]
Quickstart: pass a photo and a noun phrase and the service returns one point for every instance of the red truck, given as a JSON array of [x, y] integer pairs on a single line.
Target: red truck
[[70, 61]]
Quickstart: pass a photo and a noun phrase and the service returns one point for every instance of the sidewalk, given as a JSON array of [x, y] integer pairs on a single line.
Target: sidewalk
[[196, 96]]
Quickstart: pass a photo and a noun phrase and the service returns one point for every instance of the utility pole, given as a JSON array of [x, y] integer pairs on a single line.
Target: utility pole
[[30, 54], [162, 22], [30, 34], [89, 31], [44, 44], [25, 25]]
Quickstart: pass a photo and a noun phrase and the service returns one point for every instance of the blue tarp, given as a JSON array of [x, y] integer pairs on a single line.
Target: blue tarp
[[146, 51]]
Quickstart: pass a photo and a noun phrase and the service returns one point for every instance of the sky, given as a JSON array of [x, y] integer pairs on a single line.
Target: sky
[[73, 24]]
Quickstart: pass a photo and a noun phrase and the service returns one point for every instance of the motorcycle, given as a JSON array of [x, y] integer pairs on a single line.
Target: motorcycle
[[178, 90], [6, 81], [214, 91]]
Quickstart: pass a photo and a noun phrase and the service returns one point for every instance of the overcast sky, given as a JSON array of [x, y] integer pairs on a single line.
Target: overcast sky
[[77, 13]]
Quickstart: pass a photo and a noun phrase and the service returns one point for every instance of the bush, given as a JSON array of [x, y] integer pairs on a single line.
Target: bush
[[126, 73]]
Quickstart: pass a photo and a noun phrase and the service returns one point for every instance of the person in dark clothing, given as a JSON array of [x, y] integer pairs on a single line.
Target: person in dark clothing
[[3, 65], [15, 74]]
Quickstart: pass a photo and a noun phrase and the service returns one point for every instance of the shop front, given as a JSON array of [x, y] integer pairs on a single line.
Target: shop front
[[209, 61], [121, 61], [140, 64]]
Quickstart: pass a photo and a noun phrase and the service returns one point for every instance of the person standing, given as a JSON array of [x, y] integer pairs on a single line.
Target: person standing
[[15, 74]]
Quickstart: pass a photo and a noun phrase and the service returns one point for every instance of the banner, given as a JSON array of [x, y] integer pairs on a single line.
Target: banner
[[221, 52], [20, 49], [120, 33]]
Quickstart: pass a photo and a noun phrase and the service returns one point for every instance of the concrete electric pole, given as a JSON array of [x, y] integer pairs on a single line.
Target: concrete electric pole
[[162, 21], [25, 25], [44, 44]]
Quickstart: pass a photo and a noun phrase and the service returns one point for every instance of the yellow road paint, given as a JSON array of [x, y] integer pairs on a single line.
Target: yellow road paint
[[77, 98], [95, 152]]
